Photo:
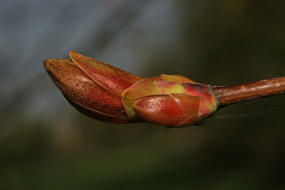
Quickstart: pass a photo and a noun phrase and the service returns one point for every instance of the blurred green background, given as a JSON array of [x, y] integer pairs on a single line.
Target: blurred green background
[[46, 144]]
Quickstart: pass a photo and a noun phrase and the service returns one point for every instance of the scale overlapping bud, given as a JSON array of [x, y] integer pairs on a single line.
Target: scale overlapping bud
[[169, 100], [110, 94]]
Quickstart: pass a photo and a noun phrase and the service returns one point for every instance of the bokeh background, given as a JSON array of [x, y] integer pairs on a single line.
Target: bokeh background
[[46, 144]]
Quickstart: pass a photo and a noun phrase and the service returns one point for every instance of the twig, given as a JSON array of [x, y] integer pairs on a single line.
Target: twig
[[236, 93]]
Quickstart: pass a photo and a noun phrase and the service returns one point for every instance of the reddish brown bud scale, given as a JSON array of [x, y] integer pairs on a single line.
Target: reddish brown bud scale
[[168, 110], [86, 95], [112, 79]]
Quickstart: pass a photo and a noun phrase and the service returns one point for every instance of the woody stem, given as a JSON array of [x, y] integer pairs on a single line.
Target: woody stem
[[242, 92]]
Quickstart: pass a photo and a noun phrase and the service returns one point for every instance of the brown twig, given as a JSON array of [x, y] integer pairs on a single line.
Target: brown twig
[[236, 93]]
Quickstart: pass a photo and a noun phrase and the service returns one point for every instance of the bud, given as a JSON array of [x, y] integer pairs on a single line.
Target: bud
[[110, 94], [169, 100], [91, 86]]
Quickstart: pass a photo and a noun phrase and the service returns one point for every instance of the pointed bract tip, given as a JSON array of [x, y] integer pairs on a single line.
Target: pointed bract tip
[[83, 93]]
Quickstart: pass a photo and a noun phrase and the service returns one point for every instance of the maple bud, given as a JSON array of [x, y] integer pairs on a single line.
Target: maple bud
[[110, 94], [92, 87]]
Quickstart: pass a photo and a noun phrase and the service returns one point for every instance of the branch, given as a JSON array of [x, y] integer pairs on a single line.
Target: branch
[[242, 92]]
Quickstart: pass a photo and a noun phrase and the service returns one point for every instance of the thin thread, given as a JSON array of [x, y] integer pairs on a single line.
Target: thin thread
[[255, 114]]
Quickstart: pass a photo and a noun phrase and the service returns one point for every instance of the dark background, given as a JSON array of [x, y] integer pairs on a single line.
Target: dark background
[[46, 144]]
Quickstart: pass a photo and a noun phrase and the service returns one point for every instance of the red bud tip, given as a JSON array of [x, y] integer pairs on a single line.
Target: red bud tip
[[86, 87]]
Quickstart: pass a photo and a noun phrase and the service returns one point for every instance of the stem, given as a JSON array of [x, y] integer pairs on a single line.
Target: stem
[[236, 93]]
